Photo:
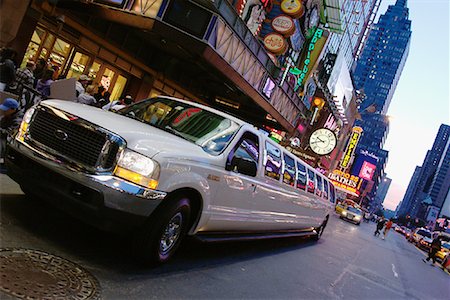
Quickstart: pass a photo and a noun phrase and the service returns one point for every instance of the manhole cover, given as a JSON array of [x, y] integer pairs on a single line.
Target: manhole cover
[[33, 274]]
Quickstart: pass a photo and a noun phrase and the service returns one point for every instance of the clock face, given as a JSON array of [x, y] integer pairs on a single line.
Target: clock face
[[322, 141]]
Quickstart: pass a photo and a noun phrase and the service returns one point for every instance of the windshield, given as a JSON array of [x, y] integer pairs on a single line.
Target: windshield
[[206, 129], [424, 233], [354, 210]]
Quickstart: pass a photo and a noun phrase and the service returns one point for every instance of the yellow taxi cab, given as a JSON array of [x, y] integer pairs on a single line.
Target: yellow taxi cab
[[340, 206], [445, 249]]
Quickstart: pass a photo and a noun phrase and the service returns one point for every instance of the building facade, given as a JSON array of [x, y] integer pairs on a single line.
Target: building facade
[[431, 182], [405, 205], [377, 72]]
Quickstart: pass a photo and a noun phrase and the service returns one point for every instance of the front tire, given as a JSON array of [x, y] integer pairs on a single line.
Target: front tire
[[320, 230], [159, 238]]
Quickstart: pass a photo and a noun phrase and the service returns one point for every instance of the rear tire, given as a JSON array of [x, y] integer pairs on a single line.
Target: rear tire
[[160, 237]]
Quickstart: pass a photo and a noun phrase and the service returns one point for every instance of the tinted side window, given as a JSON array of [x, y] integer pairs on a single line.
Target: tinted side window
[[272, 165], [325, 189], [311, 181], [332, 194], [319, 187], [289, 170], [247, 148], [301, 176]]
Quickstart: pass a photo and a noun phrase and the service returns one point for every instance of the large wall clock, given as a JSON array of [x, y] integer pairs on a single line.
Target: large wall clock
[[322, 141]]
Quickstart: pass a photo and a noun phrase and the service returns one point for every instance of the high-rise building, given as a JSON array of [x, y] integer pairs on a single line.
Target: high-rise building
[[382, 190], [407, 198], [431, 182], [377, 72], [349, 31], [383, 58], [441, 180]]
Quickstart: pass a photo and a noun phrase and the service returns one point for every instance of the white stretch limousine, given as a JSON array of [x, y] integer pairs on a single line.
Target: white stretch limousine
[[163, 168]]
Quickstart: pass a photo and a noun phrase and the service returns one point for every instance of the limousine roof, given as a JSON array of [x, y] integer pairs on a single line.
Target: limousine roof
[[208, 108]]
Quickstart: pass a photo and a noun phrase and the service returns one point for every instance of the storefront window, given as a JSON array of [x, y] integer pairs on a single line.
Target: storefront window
[[118, 87], [60, 52], [94, 70], [107, 77], [78, 65], [49, 41], [33, 46]]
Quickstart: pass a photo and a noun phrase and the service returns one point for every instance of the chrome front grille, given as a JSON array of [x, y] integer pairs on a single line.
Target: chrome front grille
[[74, 139]]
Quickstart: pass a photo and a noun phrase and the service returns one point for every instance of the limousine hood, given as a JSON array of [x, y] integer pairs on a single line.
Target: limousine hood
[[140, 137]]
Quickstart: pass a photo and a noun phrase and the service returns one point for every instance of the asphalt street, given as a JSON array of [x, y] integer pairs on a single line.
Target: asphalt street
[[348, 262]]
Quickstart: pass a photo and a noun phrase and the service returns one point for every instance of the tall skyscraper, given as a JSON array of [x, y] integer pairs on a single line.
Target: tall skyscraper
[[433, 180], [405, 205], [377, 73], [383, 58], [349, 29]]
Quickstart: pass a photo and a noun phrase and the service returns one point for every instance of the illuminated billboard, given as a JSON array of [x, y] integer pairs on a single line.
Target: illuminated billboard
[[345, 181], [311, 54], [351, 146], [364, 158], [367, 170]]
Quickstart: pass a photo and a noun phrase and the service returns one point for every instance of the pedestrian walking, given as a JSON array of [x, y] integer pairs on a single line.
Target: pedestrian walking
[[435, 247], [380, 225], [387, 227], [43, 84]]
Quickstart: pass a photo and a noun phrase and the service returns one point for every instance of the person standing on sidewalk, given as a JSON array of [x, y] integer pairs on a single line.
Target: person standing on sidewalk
[[387, 227], [435, 247]]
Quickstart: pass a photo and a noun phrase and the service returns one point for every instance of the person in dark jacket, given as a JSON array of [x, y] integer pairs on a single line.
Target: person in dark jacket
[[435, 247], [7, 68], [10, 119], [380, 225]]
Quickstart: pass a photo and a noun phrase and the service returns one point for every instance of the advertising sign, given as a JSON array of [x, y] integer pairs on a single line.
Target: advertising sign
[[275, 43], [311, 55], [345, 180], [367, 170], [254, 13], [293, 8], [363, 157], [284, 25], [351, 146]]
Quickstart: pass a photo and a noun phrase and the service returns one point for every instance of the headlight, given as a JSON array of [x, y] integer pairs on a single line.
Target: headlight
[[24, 125], [357, 218], [344, 213], [138, 168]]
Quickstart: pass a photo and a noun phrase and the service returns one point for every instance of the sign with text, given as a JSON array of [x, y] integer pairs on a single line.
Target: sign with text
[[345, 180], [351, 146]]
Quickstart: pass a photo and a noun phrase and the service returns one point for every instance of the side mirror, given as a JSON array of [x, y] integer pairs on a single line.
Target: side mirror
[[243, 166]]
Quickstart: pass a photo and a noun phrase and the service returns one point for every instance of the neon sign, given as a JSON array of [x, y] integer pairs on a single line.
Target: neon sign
[[356, 134], [310, 58], [345, 180]]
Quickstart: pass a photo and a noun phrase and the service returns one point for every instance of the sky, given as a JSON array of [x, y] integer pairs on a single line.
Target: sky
[[421, 101]]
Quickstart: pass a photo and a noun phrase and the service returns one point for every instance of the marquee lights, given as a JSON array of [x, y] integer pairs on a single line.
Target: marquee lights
[[351, 147]]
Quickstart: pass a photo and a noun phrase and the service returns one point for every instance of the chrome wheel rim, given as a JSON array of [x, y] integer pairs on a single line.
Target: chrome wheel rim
[[171, 233]]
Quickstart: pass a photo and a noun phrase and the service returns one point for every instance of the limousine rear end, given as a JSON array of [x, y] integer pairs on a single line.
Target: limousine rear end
[[165, 168]]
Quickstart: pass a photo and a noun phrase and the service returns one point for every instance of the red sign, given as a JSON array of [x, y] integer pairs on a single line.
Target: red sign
[[367, 170]]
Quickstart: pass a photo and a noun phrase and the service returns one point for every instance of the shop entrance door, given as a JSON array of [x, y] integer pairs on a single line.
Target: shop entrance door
[[109, 77]]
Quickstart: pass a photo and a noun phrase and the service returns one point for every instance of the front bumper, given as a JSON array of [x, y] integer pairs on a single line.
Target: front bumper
[[104, 201]]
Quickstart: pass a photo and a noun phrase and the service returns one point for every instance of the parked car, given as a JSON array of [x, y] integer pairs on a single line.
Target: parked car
[[352, 214], [419, 234], [399, 229], [164, 168]]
